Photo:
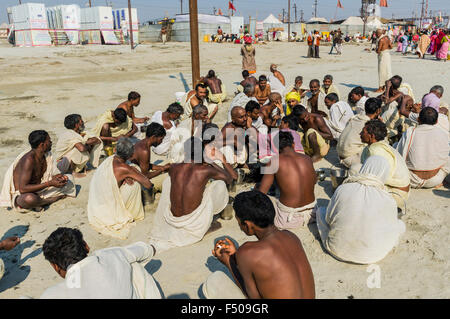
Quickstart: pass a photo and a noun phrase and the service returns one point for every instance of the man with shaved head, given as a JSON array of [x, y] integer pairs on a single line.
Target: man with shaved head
[[276, 80], [234, 138], [384, 59], [270, 113]]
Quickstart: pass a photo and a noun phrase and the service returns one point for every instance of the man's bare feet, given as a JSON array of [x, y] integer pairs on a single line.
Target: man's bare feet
[[439, 186]]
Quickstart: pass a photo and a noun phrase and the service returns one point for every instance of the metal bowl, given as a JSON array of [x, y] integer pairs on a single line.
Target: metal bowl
[[338, 174]]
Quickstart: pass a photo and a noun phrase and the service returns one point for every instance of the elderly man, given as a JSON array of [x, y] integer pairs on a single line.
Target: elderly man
[[134, 99], [425, 149], [114, 202], [349, 145], [112, 125], [234, 138], [316, 133], [270, 113], [273, 267], [73, 151], [188, 203], [185, 130], [314, 100], [384, 59], [298, 86], [328, 86], [113, 273], [358, 99], [295, 178], [196, 97], [167, 119], [217, 91], [242, 98], [340, 114], [262, 90], [155, 134], [374, 134], [33, 181]]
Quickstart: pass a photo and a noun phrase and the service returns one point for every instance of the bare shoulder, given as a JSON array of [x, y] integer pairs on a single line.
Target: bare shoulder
[[27, 160]]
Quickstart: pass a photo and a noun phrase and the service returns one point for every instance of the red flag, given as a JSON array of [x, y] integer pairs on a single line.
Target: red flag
[[383, 3], [231, 6], [339, 5]]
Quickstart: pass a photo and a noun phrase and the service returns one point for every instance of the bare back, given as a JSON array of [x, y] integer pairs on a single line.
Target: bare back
[[296, 179], [214, 84], [188, 182], [276, 267]]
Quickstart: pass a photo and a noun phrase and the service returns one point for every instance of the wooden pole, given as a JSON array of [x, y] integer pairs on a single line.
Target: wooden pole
[[195, 55], [90, 4], [289, 20], [131, 25]]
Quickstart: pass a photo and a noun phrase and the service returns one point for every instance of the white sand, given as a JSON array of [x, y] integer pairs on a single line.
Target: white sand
[[40, 86]]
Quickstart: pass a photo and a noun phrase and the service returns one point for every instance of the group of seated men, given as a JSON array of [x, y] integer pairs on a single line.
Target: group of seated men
[[199, 162]]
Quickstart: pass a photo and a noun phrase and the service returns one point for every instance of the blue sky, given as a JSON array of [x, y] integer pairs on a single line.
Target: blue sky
[[152, 9]]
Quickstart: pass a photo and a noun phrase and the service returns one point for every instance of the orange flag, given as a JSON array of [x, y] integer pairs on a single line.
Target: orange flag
[[383, 3], [339, 5]]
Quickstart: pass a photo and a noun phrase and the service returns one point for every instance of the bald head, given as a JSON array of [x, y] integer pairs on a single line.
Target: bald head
[[237, 111], [274, 97]]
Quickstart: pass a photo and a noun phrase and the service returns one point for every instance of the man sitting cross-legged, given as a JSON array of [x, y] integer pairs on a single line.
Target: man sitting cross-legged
[[155, 134], [33, 180], [111, 126], [316, 133], [74, 151], [273, 267], [188, 201], [425, 149], [295, 179], [114, 202]]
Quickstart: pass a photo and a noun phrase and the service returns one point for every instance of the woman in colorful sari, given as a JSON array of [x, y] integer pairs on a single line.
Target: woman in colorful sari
[[442, 53], [432, 48], [399, 42], [423, 45], [405, 43]]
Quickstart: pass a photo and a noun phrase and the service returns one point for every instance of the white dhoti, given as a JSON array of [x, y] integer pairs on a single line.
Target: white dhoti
[[9, 193], [219, 286], [66, 153], [384, 67], [113, 210], [287, 217], [417, 182], [169, 231]]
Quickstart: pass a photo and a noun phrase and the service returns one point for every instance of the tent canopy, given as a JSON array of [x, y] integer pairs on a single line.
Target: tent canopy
[[272, 20], [353, 21], [322, 20]]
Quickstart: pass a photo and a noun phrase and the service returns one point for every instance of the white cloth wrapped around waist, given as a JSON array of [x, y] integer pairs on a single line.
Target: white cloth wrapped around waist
[[305, 211], [170, 231], [9, 193]]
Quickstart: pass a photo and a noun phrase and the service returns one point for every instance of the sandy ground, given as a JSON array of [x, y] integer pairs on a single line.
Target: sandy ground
[[40, 86]]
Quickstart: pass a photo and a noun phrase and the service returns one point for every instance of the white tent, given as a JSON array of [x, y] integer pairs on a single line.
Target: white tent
[[375, 23], [272, 20], [317, 20], [353, 21]]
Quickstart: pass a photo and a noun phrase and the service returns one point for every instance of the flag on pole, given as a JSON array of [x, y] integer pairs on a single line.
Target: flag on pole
[[383, 3], [231, 6], [339, 5]]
